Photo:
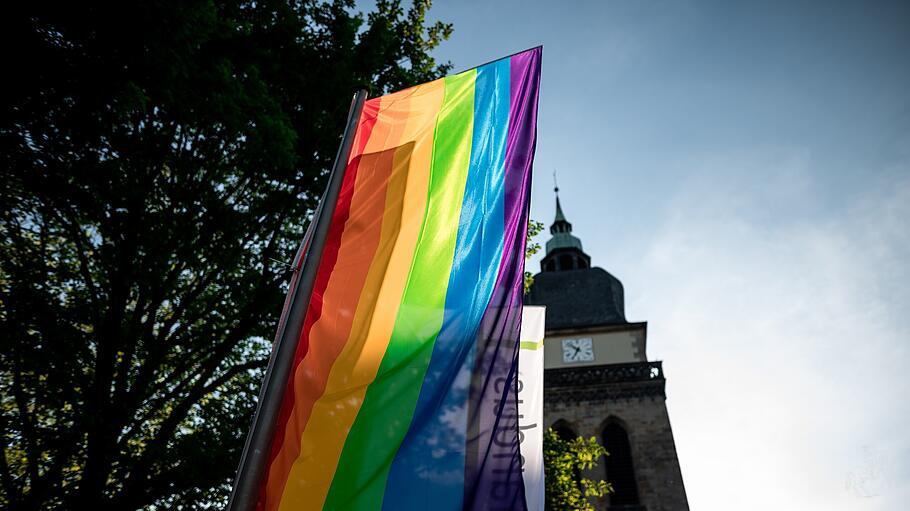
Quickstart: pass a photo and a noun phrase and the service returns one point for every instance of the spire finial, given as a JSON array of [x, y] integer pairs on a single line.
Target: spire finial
[[555, 184]]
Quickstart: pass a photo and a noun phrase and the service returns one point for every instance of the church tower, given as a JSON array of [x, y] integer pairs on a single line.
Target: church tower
[[598, 380]]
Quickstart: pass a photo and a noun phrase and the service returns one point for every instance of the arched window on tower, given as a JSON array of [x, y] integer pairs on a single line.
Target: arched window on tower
[[564, 431], [566, 262], [620, 472]]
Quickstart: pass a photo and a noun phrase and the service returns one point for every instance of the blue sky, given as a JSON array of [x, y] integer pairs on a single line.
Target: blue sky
[[744, 169]]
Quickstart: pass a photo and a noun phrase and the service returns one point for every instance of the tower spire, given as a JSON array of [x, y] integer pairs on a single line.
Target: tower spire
[[560, 216], [563, 245], [560, 224]]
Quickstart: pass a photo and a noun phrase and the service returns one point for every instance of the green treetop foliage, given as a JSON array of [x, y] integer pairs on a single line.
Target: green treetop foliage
[[531, 248], [564, 461], [157, 159]]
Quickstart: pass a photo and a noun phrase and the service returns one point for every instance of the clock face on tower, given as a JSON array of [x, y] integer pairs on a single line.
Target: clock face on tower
[[577, 350]]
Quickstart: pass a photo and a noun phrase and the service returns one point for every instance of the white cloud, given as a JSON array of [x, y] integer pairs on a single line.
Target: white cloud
[[785, 336]]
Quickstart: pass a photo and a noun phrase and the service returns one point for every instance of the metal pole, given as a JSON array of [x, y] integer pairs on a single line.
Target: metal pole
[[256, 450]]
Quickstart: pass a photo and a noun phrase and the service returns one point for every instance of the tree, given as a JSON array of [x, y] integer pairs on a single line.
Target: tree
[[564, 460], [159, 163], [531, 248]]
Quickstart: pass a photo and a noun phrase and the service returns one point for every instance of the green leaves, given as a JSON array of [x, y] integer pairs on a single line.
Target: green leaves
[[564, 463], [531, 248]]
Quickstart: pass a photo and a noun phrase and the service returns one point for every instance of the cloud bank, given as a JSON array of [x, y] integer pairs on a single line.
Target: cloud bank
[[784, 330]]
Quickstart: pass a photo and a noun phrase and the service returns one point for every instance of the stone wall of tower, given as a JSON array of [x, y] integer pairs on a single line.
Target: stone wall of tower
[[640, 407]]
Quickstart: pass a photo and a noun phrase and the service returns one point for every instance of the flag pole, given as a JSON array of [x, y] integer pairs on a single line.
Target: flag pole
[[255, 455]]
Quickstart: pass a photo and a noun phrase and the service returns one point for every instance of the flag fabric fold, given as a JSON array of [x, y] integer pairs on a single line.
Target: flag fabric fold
[[403, 393]]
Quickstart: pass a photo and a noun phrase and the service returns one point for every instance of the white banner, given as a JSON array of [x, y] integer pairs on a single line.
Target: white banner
[[530, 403]]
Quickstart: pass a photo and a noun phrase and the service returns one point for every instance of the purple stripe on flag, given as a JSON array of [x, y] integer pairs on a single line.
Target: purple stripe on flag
[[493, 478]]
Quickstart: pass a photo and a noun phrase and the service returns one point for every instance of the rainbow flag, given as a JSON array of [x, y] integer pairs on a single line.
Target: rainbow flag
[[403, 389]]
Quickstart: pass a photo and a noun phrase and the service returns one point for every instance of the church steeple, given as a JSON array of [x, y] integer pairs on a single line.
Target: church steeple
[[575, 293], [560, 224], [564, 251]]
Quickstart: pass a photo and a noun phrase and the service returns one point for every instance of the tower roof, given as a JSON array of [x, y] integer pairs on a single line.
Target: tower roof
[[579, 298]]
